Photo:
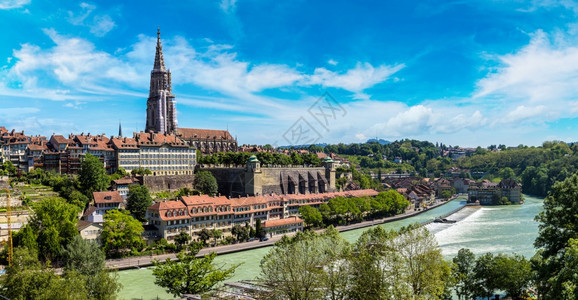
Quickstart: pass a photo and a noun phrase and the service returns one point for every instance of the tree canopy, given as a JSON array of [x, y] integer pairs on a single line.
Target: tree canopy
[[307, 266], [51, 227], [28, 278], [206, 183], [189, 274], [84, 259], [138, 200], [121, 233], [558, 228], [92, 175]]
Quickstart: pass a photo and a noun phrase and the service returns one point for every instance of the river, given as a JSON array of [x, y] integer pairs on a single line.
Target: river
[[499, 229]]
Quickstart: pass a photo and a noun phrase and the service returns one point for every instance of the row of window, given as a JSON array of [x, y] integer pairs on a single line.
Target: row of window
[[165, 150]]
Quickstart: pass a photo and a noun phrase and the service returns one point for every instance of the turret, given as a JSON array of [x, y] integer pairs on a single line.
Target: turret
[[253, 177], [329, 165]]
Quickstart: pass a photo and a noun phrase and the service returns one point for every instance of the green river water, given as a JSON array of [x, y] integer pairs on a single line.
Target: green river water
[[502, 229]]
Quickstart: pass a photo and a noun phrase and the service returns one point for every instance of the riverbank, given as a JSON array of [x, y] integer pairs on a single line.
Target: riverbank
[[139, 283], [145, 261]]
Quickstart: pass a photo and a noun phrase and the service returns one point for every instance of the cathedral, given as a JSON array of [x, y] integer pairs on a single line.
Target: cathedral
[[161, 104], [162, 113]]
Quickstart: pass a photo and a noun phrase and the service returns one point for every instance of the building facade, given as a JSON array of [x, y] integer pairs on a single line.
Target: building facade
[[162, 154], [490, 193], [192, 214]]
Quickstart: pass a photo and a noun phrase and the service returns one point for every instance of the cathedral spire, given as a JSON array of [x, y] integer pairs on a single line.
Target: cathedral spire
[[159, 61]]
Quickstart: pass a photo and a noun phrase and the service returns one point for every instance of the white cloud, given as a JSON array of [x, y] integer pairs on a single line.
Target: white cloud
[[332, 62], [363, 76], [539, 72], [537, 83], [412, 121], [522, 113], [74, 69], [71, 69], [102, 25], [10, 4], [99, 24], [228, 6], [536, 4]]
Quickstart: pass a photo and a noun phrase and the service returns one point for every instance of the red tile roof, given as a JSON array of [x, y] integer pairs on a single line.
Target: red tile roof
[[61, 139], [107, 197], [195, 133], [280, 222], [126, 180], [170, 210], [205, 199], [157, 139], [123, 143]]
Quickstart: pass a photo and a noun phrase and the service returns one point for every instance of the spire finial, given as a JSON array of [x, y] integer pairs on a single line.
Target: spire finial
[[159, 61]]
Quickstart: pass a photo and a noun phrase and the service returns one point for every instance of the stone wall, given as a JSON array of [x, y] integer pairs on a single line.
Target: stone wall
[[167, 182], [279, 180], [14, 201], [231, 181]]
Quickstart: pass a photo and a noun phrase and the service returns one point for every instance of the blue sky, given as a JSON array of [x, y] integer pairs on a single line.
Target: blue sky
[[463, 73]]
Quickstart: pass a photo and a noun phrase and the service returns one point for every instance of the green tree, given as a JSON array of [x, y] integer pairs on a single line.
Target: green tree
[[204, 235], [558, 226], [569, 272], [237, 231], [190, 275], [206, 183], [307, 266], [507, 173], [51, 227], [9, 168], [27, 278], [463, 269], [92, 175], [85, 260], [446, 194], [138, 200], [182, 239], [485, 276], [216, 234], [141, 171], [121, 233], [504, 201], [311, 216], [404, 264], [259, 232], [512, 273]]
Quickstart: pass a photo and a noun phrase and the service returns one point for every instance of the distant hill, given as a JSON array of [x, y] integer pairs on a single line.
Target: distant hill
[[381, 141]]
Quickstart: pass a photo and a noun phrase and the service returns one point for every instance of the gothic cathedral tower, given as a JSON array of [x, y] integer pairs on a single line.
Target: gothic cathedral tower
[[161, 104]]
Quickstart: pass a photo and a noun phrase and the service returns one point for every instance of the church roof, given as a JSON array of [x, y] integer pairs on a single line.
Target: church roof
[[196, 133], [158, 139]]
